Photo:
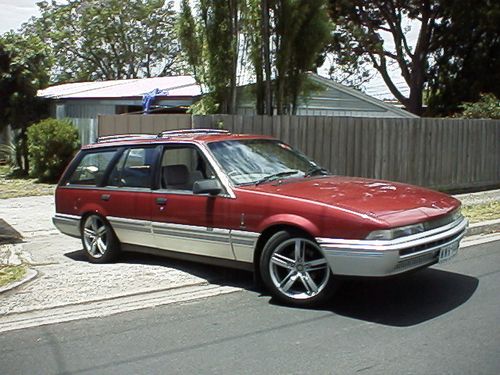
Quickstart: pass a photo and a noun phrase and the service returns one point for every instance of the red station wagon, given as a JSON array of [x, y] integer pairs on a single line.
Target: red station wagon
[[250, 202]]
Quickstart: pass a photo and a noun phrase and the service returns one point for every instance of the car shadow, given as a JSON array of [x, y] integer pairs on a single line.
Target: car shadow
[[212, 273], [405, 300], [398, 301]]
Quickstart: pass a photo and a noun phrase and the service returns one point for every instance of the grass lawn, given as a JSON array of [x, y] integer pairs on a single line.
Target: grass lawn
[[482, 212], [21, 187], [10, 274]]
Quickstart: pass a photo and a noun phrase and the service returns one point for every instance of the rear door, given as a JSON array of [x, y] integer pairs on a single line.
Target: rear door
[[126, 196]]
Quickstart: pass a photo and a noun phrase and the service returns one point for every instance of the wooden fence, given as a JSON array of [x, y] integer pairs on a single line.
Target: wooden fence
[[445, 154]]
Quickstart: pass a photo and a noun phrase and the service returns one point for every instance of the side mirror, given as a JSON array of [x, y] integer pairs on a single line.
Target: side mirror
[[212, 187]]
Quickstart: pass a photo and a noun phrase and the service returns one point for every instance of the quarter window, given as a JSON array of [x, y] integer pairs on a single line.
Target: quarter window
[[91, 169]]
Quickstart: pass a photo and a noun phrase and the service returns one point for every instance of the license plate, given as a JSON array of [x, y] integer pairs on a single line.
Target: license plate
[[447, 252]]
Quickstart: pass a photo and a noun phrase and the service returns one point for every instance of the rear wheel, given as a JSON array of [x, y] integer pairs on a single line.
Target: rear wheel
[[99, 240], [295, 271]]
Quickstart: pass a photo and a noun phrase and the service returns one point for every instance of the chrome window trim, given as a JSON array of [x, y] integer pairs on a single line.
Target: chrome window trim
[[400, 243], [223, 178]]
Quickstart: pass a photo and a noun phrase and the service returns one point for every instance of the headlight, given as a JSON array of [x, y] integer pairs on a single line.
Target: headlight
[[390, 234]]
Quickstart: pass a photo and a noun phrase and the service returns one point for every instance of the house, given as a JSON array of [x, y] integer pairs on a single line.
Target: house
[[334, 99], [82, 102]]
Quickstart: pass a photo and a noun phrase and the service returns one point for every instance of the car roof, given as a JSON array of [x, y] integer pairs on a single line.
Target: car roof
[[172, 136]]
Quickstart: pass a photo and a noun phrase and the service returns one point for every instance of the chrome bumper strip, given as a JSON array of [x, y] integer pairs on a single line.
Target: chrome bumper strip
[[383, 258], [396, 244]]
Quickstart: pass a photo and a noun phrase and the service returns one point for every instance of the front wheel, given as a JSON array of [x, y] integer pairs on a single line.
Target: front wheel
[[295, 271], [99, 240]]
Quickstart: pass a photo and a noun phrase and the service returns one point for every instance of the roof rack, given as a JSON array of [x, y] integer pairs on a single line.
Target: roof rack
[[181, 132], [122, 137]]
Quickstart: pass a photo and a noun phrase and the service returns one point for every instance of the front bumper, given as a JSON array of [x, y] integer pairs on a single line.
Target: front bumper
[[390, 257]]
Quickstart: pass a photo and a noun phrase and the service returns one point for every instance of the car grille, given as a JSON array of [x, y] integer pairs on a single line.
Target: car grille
[[429, 245], [421, 260]]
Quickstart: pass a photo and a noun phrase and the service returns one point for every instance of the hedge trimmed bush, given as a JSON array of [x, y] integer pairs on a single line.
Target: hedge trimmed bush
[[51, 145]]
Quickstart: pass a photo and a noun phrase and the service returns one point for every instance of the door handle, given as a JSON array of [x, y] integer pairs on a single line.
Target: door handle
[[161, 201], [105, 197]]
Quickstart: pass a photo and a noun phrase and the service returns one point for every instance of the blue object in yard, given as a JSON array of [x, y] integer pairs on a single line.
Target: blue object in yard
[[149, 97]]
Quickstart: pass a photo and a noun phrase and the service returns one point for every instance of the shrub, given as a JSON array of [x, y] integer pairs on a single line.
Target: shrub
[[488, 106], [51, 145]]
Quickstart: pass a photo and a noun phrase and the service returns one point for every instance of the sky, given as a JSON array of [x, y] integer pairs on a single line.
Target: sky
[[13, 13]]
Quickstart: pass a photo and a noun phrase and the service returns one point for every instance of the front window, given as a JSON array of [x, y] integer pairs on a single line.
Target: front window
[[181, 166], [255, 161]]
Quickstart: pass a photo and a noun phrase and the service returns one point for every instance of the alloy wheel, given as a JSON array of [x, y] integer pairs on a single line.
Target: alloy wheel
[[298, 268]]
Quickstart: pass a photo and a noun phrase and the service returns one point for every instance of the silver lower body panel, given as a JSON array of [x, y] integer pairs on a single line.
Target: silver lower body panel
[[67, 224], [386, 258]]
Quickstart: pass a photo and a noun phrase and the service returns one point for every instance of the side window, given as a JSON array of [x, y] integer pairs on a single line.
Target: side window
[[182, 166], [133, 169], [91, 169]]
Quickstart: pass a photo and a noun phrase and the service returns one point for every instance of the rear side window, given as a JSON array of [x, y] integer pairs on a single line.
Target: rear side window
[[133, 169], [90, 170]]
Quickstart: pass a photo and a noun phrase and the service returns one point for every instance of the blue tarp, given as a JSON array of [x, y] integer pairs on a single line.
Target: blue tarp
[[149, 97]]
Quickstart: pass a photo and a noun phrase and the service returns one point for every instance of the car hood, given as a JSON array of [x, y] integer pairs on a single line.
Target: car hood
[[394, 203]]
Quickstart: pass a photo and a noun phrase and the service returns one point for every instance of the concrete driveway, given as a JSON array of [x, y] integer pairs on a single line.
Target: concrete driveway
[[68, 287]]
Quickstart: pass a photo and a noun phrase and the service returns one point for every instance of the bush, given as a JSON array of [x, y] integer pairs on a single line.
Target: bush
[[487, 107], [51, 145]]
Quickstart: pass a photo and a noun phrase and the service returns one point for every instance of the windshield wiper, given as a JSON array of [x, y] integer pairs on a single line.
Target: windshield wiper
[[316, 170], [276, 176]]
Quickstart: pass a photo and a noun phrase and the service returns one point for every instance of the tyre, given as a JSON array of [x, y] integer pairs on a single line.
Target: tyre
[[99, 240], [295, 271]]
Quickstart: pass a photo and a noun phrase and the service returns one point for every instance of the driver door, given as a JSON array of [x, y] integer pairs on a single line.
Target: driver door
[[183, 221]]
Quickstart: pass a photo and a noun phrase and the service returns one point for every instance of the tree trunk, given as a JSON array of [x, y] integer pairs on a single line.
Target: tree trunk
[[233, 7], [266, 58]]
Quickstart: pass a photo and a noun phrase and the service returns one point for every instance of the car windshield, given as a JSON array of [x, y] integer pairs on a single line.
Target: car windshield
[[255, 161]]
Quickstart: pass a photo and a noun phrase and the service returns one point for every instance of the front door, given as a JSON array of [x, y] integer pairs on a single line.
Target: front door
[[183, 221]]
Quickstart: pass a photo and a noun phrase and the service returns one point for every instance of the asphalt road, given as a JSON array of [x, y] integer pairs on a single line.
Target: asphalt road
[[444, 320]]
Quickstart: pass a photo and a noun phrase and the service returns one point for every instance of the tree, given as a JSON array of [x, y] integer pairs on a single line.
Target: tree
[[358, 39], [282, 37], [467, 55], [108, 39], [24, 67], [210, 43], [302, 30]]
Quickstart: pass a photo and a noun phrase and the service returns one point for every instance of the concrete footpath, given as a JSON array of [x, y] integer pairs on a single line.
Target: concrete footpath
[[63, 286]]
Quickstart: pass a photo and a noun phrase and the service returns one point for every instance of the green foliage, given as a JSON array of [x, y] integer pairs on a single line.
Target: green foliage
[[207, 105], [51, 144], [487, 107], [209, 42], [467, 55], [108, 39], [24, 65], [302, 30], [215, 35]]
